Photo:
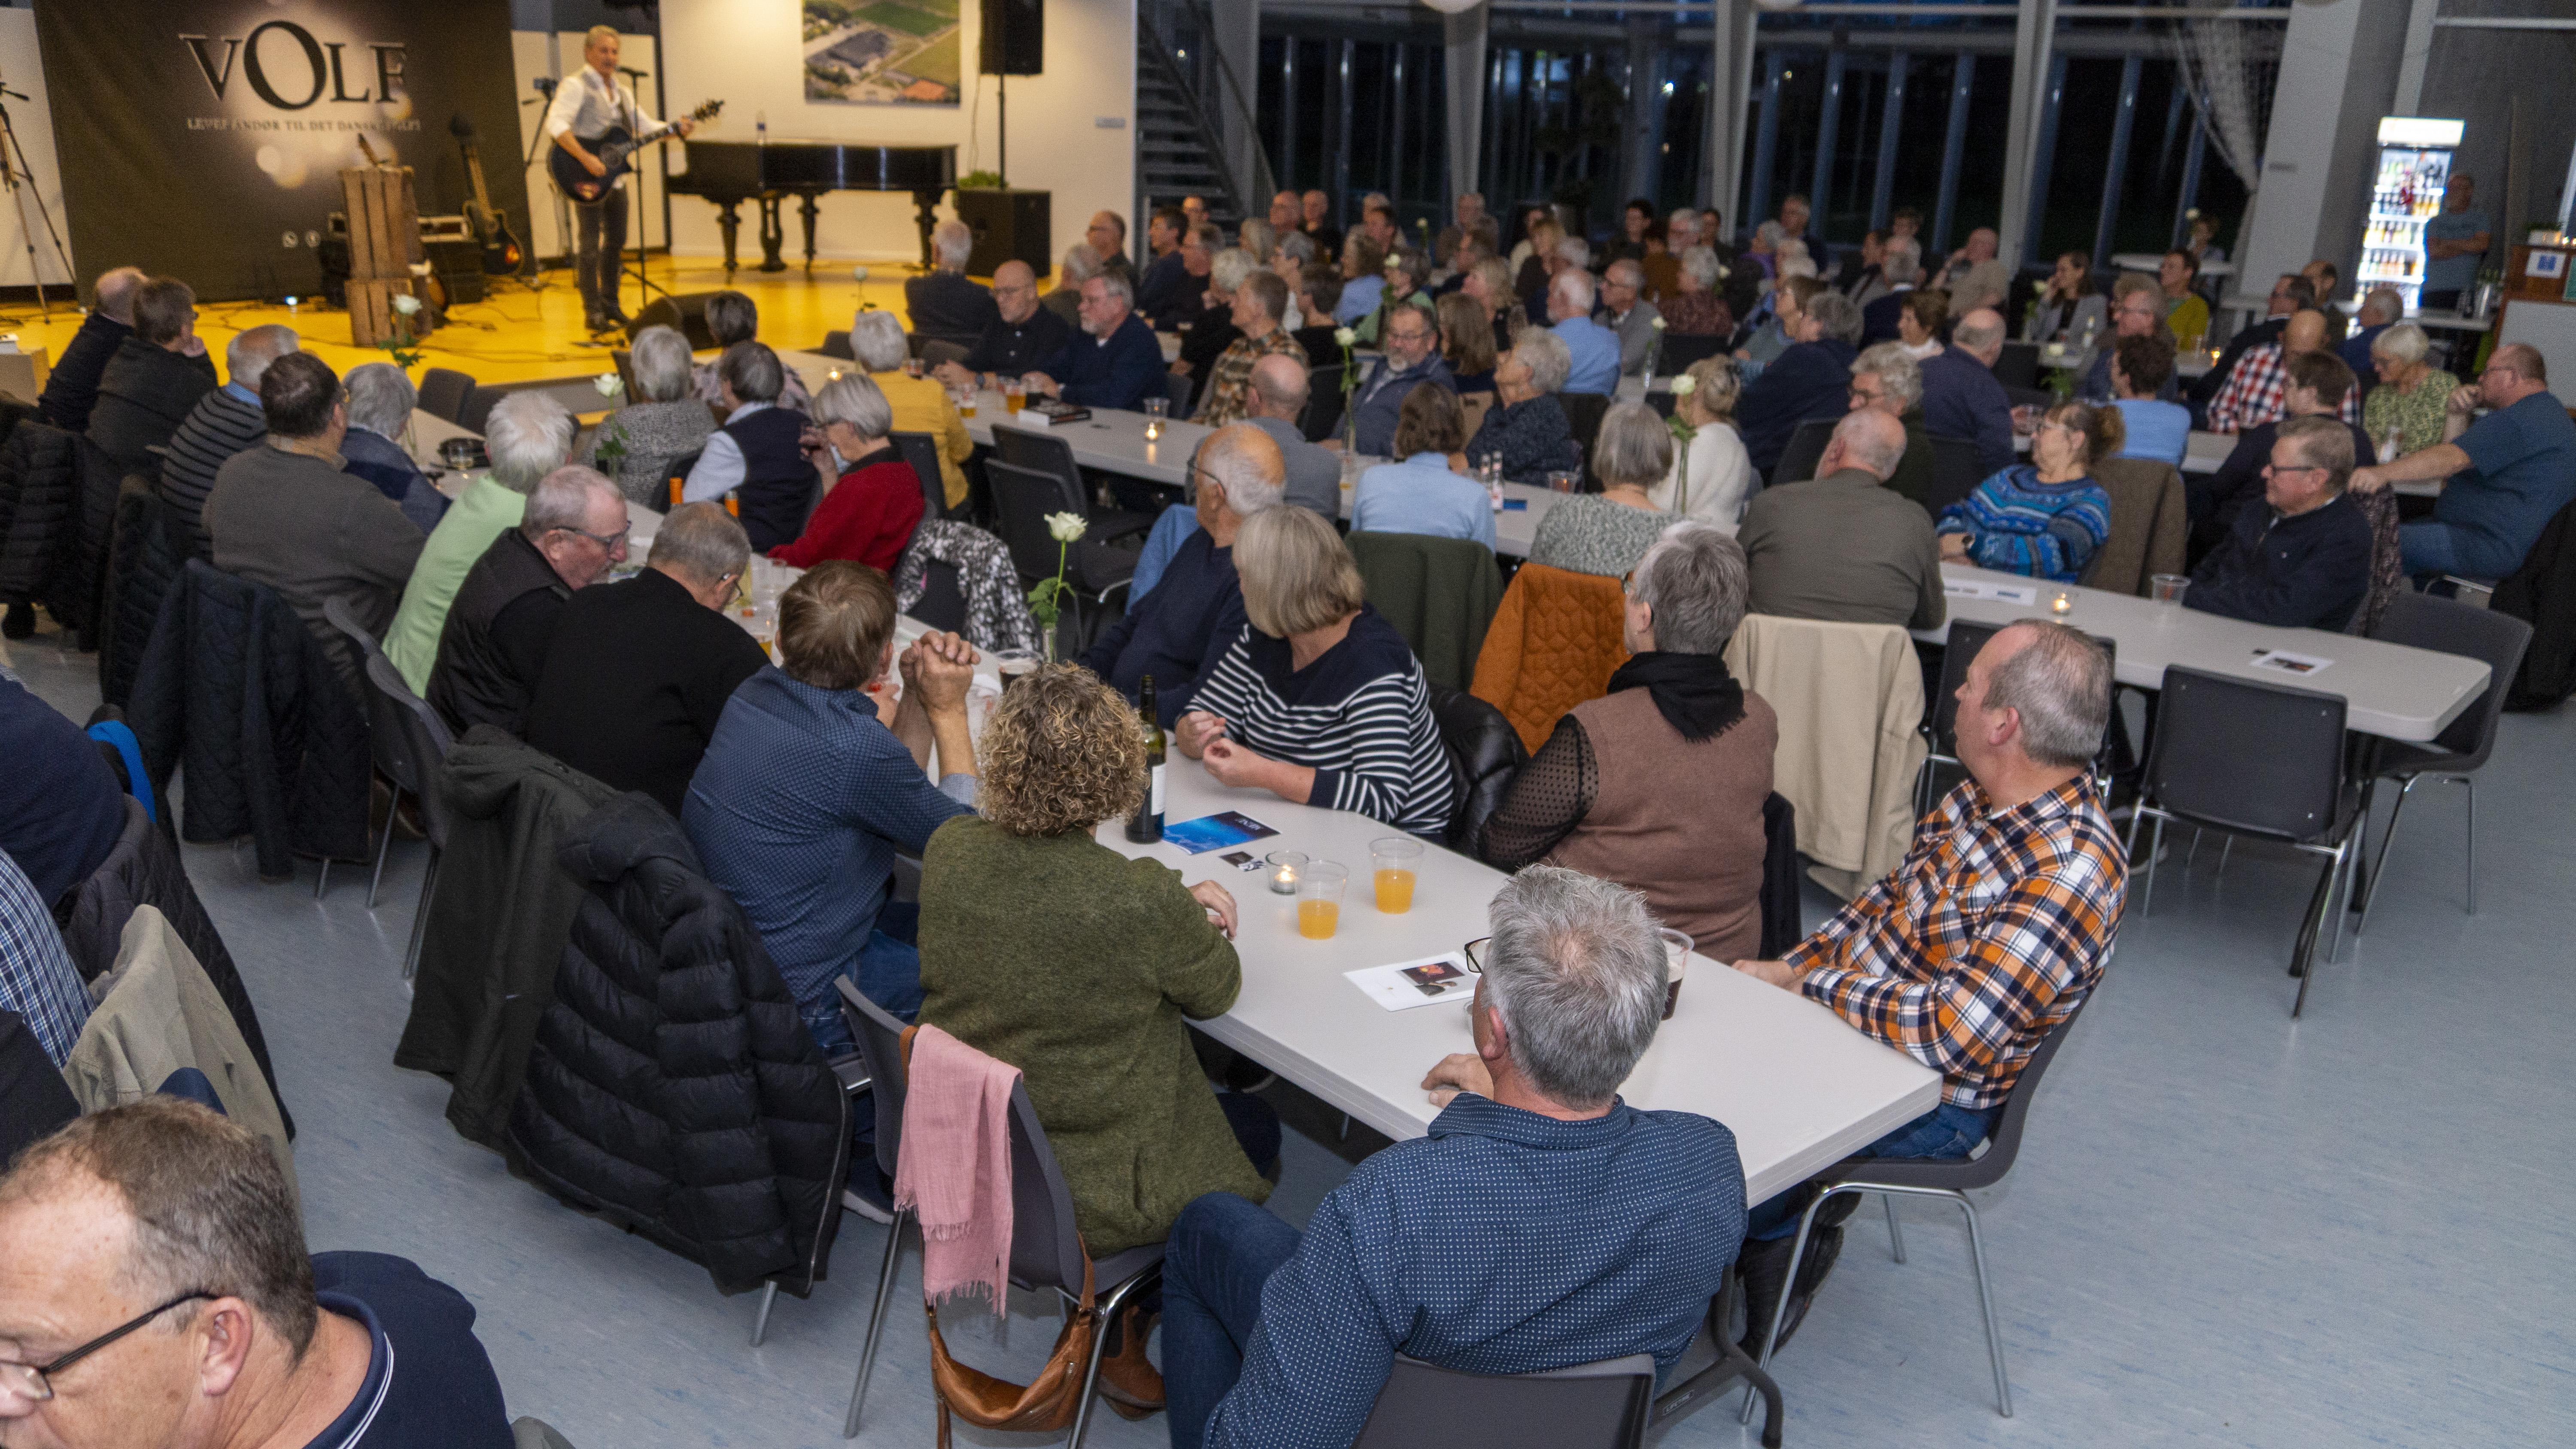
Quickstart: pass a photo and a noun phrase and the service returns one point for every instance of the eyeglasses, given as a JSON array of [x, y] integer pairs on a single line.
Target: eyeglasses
[[1475, 951], [31, 1381], [2302, 468], [608, 541]]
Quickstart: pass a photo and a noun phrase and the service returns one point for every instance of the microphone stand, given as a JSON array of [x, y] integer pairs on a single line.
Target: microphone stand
[[532, 272], [645, 287], [10, 177]]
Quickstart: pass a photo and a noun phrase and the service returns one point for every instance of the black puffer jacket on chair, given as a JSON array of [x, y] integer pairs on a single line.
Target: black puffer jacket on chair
[[672, 1087], [40, 522]]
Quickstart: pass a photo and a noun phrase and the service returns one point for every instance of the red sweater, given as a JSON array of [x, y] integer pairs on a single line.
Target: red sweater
[[869, 516]]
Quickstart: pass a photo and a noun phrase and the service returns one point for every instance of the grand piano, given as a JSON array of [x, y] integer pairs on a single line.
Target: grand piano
[[729, 173]]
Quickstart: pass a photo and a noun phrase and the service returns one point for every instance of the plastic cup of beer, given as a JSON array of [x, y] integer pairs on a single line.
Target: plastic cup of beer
[[1015, 394], [1677, 949], [1015, 664], [1393, 862], [2168, 587], [964, 397], [1155, 407], [1319, 898]]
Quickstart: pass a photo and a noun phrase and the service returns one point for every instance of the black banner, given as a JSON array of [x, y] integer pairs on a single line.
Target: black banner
[[204, 139]]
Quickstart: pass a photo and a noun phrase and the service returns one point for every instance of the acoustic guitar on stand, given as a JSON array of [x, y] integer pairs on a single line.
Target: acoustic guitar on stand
[[616, 151], [501, 250]]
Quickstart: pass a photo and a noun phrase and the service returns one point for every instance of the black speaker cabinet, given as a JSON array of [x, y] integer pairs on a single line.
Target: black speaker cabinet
[[1014, 37], [686, 311], [459, 264], [1009, 226]]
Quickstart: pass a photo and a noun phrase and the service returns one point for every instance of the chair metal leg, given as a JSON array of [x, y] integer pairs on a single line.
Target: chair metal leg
[[1789, 1288], [420, 914], [1895, 1234], [1986, 1301], [2379, 870], [760, 1324], [876, 1320], [1109, 1306], [2471, 781], [2155, 847], [384, 847], [323, 880], [2313, 928], [2225, 848], [2192, 855]]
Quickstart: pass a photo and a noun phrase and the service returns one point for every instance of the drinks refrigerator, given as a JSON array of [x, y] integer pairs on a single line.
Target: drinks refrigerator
[[2406, 192]]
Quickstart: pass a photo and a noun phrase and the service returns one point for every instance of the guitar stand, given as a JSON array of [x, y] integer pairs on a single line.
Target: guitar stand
[[13, 177]]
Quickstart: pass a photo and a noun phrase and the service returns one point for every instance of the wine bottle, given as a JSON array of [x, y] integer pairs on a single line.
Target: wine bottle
[[1146, 825]]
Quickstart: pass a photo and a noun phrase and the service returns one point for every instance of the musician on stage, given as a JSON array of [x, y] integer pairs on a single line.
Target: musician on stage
[[586, 105]]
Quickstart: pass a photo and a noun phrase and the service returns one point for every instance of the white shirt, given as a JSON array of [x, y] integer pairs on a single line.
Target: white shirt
[[587, 105], [1719, 475], [720, 467]]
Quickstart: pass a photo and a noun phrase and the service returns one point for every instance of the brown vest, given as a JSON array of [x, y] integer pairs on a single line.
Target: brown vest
[[1677, 820]]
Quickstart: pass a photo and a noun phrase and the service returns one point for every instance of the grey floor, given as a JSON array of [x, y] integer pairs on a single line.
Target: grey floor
[[2225, 1228]]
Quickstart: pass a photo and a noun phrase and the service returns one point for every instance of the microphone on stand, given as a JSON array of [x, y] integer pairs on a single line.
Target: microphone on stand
[[545, 85]]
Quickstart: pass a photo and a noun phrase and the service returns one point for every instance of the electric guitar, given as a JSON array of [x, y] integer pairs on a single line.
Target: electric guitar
[[501, 250], [614, 150]]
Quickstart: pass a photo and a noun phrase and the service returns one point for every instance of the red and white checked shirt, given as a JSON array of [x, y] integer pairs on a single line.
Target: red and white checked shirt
[[2254, 389], [1983, 939]]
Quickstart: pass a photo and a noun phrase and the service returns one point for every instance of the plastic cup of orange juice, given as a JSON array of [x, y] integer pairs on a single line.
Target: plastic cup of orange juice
[[1319, 898], [1393, 862]]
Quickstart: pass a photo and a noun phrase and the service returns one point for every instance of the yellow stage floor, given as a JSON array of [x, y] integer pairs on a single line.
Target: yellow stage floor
[[517, 335]]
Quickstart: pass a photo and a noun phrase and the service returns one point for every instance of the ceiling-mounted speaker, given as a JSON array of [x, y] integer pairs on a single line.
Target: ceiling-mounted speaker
[[1014, 39]]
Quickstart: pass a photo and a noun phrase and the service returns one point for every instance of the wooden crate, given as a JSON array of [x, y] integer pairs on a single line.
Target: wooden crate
[[384, 221], [372, 317]]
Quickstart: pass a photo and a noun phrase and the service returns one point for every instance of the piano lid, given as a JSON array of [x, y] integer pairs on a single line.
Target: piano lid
[[737, 169]]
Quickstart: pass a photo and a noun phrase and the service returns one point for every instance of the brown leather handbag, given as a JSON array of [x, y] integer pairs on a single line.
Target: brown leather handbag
[[1045, 1403]]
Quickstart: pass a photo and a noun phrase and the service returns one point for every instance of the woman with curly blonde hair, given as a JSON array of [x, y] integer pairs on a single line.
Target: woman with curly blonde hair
[[1048, 950]]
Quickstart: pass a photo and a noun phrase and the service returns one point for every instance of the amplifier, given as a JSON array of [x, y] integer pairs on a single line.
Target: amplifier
[[459, 265]]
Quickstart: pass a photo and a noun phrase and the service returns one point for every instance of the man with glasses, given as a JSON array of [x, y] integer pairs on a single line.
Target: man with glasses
[[155, 1289], [1115, 363], [2303, 561], [1542, 1222], [528, 436], [2137, 309], [1412, 359], [1018, 341], [495, 639], [2510, 472]]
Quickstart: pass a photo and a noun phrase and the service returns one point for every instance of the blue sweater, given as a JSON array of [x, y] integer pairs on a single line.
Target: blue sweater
[[1961, 399], [1117, 373], [2308, 572], [1810, 380], [2023, 526], [1502, 1243]]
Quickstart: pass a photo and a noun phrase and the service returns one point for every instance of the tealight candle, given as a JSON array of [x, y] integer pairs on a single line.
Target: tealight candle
[[1153, 429], [2061, 603], [1285, 867]]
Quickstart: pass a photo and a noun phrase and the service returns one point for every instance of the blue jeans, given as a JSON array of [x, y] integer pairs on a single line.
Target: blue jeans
[[1944, 1132], [2426, 547], [1223, 1249], [888, 972]]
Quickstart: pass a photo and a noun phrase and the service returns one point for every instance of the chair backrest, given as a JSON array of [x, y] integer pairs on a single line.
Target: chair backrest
[[2150, 522], [1553, 644], [442, 392], [880, 1039], [1680, 352], [1956, 472], [1988, 1167], [1966, 637], [1323, 403], [933, 351], [921, 450], [943, 603], [625, 361], [1605, 1405], [2019, 365], [1439, 593], [476, 410], [1804, 450], [1179, 389], [419, 737], [1583, 414], [1022, 498], [2247, 755], [384, 727], [1046, 1246], [2452, 627], [1485, 752], [1027, 448]]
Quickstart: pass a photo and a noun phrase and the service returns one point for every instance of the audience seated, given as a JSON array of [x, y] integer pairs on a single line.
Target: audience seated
[[1173, 630], [71, 389], [381, 402], [287, 515], [1411, 360], [1115, 363], [1488, 284], [1840, 546], [1061, 957], [2413, 396], [1080, 265], [1166, 295], [1317, 699], [943, 305], [2186, 311], [1628, 316], [1993, 929], [61, 809], [163, 1213], [2510, 472], [2381, 309], [1418, 493], [2068, 309], [1693, 306], [1273, 403], [2325, 277], [2318, 383], [660, 425], [1902, 271], [1920, 316], [2254, 390], [1466, 342], [1107, 237], [1886, 379], [1021, 337], [2303, 560], [1592, 350], [2045, 518], [1975, 276], [39, 987], [1214, 274], [528, 435], [153, 380], [1363, 279], [2161, 431], [1408, 279], [1317, 209], [1526, 428], [731, 318], [813, 783], [638, 671], [1961, 398], [2135, 312], [1868, 282], [872, 500], [228, 420], [913, 404], [2290, 294], [1812, 379], [1711, 478], [1764, 333], [494, 641], [1258, 301], [755, 462], [1318, 290], [1606, 533], [1542, 1223]]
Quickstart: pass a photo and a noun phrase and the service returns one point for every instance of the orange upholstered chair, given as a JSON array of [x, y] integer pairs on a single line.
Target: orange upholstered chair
[[1553, 644]]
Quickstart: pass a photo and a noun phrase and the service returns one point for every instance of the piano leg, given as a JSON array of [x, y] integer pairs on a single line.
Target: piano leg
[[806, 209], [773, 235], [729, 221], [925, 204]]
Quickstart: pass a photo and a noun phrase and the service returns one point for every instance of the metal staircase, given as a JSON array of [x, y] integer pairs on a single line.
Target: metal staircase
[[1186, 96]]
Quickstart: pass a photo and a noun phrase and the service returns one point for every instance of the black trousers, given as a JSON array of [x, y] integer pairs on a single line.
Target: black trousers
[[599, 235]]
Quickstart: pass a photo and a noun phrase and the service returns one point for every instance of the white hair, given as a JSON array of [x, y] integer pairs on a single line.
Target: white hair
[[247, 358], [528, 436], [877, 340], [854, 398], [1576, 287], [1544, 354], [1230, 267], [660, 361], [1081, 264], [380, 397], [1575, 252], [952, 242]]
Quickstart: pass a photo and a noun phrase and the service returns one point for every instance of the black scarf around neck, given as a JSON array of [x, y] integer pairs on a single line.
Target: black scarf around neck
[[1694, 691]]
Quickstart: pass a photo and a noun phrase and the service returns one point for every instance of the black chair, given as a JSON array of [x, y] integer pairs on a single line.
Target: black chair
[[1485, 752], [880, 1039], [1804, 450], [1180, 390], [2456, 753], [1681, 352], [2019, 365], [1323, 403], [836, 344], [2201, 772], [1583, 414], [410, 744], [1605, 1405], [476, 410], [942, 604], [1951, 1178], [1939, 732], [1956, 472], [921, 450], [1053, 456], [442, 393], [1022, 499]]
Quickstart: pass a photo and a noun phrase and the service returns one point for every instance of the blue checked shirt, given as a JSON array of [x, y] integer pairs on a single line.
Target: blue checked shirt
[[37, 978], [1503, 1243]]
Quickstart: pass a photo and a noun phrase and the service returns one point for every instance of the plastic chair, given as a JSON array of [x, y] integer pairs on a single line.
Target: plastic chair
[[1025, 448], [1956, 472], [1952, 1178], [1584, 412], [1681, 352], [442, 392], [2451, 627], [476, 410], [2260, 760], [1804, 450], [1022, 499], [1605, 1405], [880, 1038], [410, 743], [1180, 390], [1940, 732], [921, 450]]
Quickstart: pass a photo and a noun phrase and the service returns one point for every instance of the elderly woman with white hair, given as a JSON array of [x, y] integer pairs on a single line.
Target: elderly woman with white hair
[[918, 404], [1693, 307], [660, 424], [2411, 393], [1214, 332], [528, 435], [381, 400], [1712, 478], [1659, 784], [1526, 427], [1606, 533], [874, 500]]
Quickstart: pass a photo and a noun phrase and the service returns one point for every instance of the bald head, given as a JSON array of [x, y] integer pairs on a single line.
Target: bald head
[[113, 293], [1247, 472], [1279, 388], [1980, 334], [2304, 332], [1015, 292], [247, 357], [1869, 440]]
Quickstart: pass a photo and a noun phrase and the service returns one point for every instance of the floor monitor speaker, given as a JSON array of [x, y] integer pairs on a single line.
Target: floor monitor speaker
[[687, 311]]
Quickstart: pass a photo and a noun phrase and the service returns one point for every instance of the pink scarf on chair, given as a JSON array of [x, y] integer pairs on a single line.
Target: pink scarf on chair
[[954, 1172]]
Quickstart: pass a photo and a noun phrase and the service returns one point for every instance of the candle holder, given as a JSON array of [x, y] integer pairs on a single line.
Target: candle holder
[[2061, 603], [1286, 867], [1153, 430]]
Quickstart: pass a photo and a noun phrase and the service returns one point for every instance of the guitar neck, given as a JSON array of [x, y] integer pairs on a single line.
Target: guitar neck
[[474, 173]]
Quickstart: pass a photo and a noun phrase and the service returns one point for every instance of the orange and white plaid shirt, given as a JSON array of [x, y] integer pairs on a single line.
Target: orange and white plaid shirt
[[1984, 938]]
